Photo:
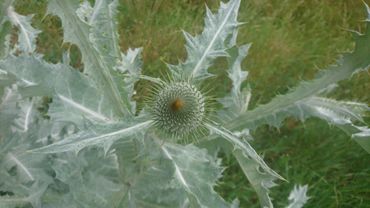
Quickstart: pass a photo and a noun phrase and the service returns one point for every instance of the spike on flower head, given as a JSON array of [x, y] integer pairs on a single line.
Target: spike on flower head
[[178, 108]]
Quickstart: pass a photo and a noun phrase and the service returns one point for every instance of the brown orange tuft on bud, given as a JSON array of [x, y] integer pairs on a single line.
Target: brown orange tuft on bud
[[177, 104]]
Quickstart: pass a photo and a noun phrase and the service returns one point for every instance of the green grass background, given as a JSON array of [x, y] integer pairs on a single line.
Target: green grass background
[[292, 40]]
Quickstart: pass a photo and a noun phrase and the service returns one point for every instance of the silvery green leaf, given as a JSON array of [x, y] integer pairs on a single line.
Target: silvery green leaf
[[25, 115], [256, 170], [5, 27], [147, 175], [105, 38], [261, 181], [8, 109], [104, 34], [85, 11], [88, 180], [159, 174], [28, 167], [298, 197], [30, 196], [6, 80], [31, 73], [219, 34], [196, 172], [282, 106], [236, 74], [302, 103], [332, 110], [94, 134], [4, 38], [74, 109], [13, 149], [75, 97], [27, 34], [131, 62], [341, 114], [23, 174], [237, 101], [130, 66], [77, 32], [361, 135]]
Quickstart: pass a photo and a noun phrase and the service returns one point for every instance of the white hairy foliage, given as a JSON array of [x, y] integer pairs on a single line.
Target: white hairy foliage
[[298, 197], [27, 34], [88, 146]]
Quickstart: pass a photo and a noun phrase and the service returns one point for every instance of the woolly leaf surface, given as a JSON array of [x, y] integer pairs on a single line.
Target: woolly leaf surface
[[219, 34], [256, 170], [89, 179], [298, 196], [27, 34], [237, 100], [4, 38], [282, 106], [95, 134], [75, 97], [77, 32], [147, 175], [128, 72], [23, 175], [197, 173]]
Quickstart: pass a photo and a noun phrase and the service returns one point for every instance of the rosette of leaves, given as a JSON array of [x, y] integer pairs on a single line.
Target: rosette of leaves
[[91, 147]]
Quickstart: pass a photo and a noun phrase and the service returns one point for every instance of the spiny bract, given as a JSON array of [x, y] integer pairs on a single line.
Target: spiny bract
[[178, 108]]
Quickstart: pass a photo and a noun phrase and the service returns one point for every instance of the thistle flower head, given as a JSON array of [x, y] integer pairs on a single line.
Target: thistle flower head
[[178, 108]]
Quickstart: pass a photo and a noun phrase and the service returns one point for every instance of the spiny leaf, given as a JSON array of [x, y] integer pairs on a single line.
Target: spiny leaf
[[32, 196], [258, 173], [28, 167], [361, 135], [4, 38], [282, 106], [218, 35], [6, 80], [236, 74], [131, 62], [295, 102], [22, 174], [341, 114], [25, 115], [5, 28], [91, 178], [147, 175], [130, 66], [8, 110], [237, 101], [105, 39], [27, 34], [104, 34], [75, 97], [77, 32], [85, 11], [95, 135], [260, 181], [298, 196], [197, 173]]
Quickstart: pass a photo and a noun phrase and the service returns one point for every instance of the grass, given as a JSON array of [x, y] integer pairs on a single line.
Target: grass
[[292, 41]]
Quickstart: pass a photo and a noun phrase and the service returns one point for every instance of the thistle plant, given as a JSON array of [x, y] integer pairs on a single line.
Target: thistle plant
[[77, 139]]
